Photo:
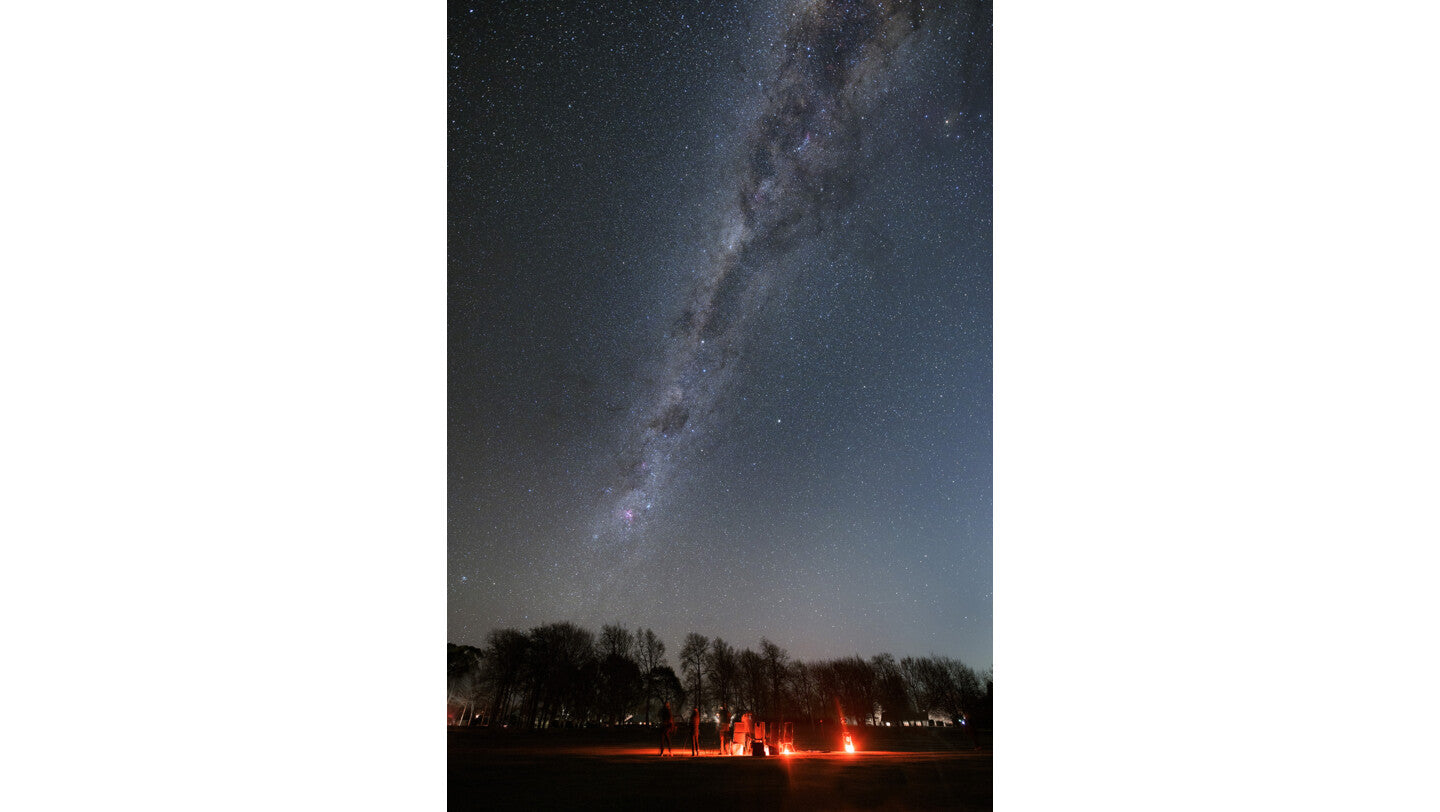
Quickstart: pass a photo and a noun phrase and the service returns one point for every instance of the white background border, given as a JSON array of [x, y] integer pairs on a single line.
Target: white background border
[[223, 323]]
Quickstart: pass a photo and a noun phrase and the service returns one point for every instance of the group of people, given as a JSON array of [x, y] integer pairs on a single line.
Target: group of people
[[668, 725]]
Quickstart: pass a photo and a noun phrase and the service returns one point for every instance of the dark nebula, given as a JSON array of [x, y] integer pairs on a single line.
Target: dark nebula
[[720, 321], [799, 164]]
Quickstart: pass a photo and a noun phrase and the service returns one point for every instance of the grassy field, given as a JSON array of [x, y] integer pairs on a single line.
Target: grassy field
[[619, 768]]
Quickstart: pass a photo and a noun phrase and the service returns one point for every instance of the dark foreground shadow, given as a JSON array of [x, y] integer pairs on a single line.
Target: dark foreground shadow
[[603, 770]]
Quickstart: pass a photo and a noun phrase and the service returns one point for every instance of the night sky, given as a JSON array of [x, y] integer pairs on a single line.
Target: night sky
[[720, 322], [1213, 342]]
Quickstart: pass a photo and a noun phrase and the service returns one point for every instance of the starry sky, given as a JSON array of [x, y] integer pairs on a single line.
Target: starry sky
[[720, 322]]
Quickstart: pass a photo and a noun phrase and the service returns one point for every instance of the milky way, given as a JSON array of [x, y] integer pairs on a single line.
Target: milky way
[[720, 325], [796, 164]]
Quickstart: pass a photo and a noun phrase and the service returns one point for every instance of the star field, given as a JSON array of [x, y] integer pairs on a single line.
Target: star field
[[720, 326]]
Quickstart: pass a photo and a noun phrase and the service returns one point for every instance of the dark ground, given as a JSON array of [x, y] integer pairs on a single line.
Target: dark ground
[[619, 768]]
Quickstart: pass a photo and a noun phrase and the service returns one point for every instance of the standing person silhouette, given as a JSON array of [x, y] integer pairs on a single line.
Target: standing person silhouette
[[970, 730], [721, 723], [695, 731], [667, 726]]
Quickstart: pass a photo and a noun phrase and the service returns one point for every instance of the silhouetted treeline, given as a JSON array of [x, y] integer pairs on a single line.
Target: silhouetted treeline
[[561, 674]]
